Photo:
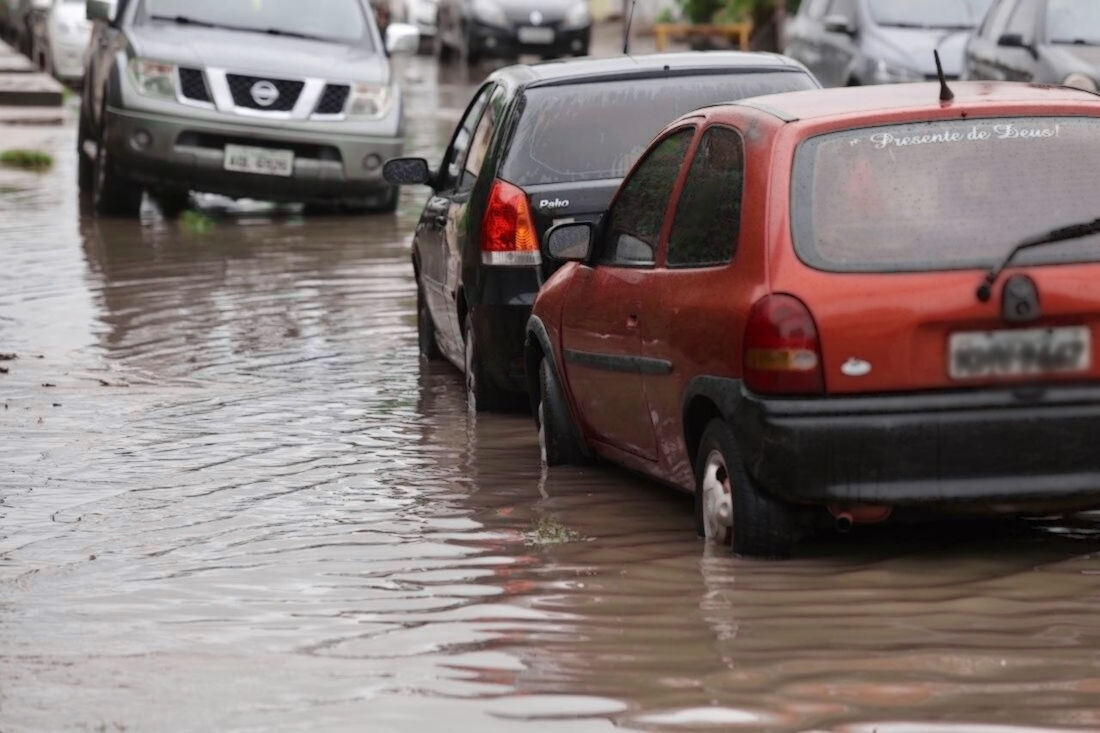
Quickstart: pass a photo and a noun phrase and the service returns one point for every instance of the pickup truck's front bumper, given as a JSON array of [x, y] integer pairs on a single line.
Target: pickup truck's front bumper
[[162, 151]]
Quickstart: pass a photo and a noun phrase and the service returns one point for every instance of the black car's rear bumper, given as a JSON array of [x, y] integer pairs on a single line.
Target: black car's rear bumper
[[505, 43], [500, 308], [998, 450]]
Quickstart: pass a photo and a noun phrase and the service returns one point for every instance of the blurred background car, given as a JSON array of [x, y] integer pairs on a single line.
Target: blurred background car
[[26, 23], [1044, 41], [66, 34], [239, 98], [476, 29], [855, 42]]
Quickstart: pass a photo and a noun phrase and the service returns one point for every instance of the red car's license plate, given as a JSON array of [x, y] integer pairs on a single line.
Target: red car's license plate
[[1033, 351]]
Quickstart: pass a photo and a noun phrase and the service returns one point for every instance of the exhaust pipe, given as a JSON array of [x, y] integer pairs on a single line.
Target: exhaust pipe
[[844, 522]]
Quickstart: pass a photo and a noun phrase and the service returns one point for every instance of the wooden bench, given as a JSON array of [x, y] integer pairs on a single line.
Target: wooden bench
[[737, 32]]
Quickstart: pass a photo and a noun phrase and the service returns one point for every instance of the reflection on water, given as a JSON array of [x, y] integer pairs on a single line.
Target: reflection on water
[[246, 504]]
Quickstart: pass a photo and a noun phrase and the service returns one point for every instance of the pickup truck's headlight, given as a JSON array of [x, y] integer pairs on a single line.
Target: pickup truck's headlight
[[153, 78], [1080, 81], [578, 16], [887, 73], [488, 11], [369, 101]]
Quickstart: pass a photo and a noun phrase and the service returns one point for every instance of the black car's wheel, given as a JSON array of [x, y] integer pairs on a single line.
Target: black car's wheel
[[559, 439], [112, 194], [85, 168], [481, 395], [731, 509], [425, 329]]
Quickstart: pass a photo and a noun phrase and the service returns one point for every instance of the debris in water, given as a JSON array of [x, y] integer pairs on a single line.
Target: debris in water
[[48, 384], [548, 531], [30, 160], [196, 222], [8, 357]]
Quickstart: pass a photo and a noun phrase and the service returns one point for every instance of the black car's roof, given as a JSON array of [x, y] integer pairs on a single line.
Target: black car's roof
[[624, 67]]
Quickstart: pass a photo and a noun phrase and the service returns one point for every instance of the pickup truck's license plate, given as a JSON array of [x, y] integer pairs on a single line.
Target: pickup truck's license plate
[[265, 161], [1020, 352], [532, 34]]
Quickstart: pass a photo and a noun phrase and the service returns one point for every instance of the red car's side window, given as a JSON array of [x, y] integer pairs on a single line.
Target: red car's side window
[[635, 220], [708, 215]]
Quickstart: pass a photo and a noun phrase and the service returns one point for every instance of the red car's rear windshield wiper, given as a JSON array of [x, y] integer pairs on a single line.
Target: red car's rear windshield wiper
[[1065, 234]]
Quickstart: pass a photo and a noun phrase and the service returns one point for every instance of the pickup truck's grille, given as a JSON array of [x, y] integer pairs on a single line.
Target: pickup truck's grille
[[333, 99], [246, 92], [193, 85]]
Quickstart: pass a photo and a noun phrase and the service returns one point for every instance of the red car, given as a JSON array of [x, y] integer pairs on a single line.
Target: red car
[[826, 305]]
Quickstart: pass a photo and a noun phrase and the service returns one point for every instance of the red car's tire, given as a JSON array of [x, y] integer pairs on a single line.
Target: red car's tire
[[559, 439], [759, 525]]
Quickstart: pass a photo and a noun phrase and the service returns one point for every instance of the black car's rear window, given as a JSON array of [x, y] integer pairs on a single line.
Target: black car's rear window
[[945, 195], [594, 131]]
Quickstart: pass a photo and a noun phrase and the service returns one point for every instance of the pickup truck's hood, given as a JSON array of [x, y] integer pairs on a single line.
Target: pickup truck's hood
[[257, 54]]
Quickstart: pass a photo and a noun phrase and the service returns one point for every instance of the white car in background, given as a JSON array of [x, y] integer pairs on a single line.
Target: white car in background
[[68, 32], [422, 14]]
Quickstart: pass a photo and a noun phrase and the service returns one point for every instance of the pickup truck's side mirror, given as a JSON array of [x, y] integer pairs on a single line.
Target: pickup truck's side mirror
[[100, 10], [402, 38], [407, 172], [570, 242], [839, 24]]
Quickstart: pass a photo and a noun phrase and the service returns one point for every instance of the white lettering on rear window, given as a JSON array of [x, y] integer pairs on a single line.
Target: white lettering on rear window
[[977, 133]]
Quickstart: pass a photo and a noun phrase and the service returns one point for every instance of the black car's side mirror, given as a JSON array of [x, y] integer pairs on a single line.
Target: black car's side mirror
[[1016, 40], [839, 24], [570, 242], [407, 172]]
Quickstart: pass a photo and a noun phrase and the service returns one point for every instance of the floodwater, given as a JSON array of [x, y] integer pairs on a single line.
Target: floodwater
[[244, 504]]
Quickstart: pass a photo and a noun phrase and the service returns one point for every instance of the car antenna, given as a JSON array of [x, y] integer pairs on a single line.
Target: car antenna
[[946, 95], [626, 31]]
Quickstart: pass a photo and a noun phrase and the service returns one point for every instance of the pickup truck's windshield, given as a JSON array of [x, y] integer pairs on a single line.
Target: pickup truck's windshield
[[336, 20]]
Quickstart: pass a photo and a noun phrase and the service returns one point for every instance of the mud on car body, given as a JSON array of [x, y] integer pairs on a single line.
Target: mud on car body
[[813, 306], [258, 100], [540, 144]]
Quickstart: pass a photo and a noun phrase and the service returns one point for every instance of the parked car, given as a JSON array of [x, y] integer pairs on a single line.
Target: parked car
[[476, 29], [842, 300], [240, 98], [537, 145], [27, 25], [1043, 41], [857, 42], [67, 34]]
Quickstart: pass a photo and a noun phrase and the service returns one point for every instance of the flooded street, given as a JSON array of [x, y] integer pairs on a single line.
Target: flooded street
[[232, 497]]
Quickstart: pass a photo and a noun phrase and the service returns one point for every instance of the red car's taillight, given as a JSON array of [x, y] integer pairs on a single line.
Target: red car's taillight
[[508, 235], [782, 349]]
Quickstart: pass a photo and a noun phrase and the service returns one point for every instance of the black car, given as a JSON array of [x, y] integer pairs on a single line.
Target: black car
[[1041, 41], [541, 145], [474, 29]]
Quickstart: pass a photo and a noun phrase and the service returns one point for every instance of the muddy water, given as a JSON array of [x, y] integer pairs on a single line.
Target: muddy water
[[245, 504]]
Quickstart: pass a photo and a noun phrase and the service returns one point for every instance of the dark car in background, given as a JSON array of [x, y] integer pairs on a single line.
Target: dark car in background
[[537, 146], [857, 42], [1043, 41], [240, 98], [475, 29]]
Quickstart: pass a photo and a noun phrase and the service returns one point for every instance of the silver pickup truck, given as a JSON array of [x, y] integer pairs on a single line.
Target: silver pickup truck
[[280, 100]]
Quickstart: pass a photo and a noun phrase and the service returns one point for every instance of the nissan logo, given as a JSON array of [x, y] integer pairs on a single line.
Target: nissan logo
[[264, 93]]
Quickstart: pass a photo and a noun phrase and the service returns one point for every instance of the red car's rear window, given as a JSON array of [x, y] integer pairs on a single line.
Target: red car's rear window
[[942, 195]]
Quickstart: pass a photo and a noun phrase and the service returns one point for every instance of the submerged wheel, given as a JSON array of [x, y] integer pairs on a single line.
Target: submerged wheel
[[425, 329], [85, 167], [481, 395], [559, 439], [731, 509], [112, 194], [172, 203]]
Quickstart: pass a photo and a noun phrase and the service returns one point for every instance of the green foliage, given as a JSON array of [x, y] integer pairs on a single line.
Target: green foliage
[[196, 222], [730, 11], [30, 160]]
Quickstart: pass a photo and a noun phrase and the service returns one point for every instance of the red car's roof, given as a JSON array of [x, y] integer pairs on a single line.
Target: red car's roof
[[857, 102]]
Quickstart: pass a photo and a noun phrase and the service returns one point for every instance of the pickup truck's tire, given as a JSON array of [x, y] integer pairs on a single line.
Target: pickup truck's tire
[[112, 193], [754, 523], [559, 439], [172, 203]]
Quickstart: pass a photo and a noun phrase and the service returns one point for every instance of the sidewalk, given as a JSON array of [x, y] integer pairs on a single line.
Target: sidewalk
[[21, 84]]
